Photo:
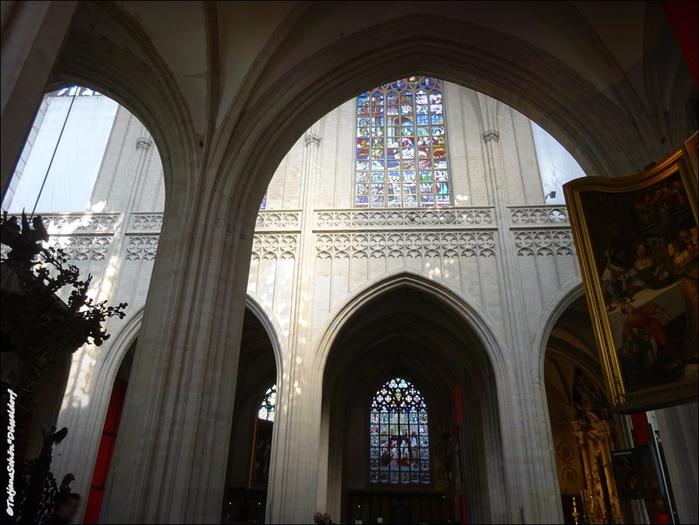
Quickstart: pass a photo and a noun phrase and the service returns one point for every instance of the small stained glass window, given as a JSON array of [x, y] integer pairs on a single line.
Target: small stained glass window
[[399, 451], [400, 130], [268, 406]]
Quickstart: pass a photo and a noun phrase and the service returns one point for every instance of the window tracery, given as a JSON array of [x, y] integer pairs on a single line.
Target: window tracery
[[401, 158], [399, 435]]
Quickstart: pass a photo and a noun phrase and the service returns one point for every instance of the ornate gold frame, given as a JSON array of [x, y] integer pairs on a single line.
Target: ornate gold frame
[[623, 399], [691, 145]]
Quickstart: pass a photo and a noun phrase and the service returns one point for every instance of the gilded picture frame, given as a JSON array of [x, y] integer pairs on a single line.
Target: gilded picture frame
[[636, 239], [691, 146]]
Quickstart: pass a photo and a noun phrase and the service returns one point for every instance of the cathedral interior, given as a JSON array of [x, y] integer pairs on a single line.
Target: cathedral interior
[[342, 234]]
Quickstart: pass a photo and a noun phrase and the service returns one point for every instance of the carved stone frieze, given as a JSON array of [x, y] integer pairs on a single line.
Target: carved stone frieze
[[80, 223], [84, 247], [544, 242], [539, 215], [275, 220], [274, 246], [409, 218], [151, 222], [141, 247], [405, 244]]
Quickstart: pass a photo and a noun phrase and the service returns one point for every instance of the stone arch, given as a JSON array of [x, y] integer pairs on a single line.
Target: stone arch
[[589, 130], [271, 326], [150, 94], [93, 421], [259, 367], [459, 301], [557, 305], [482, 372]]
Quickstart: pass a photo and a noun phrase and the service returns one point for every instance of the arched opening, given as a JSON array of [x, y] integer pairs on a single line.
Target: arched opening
[[583, 428], [92, 163], [250, 449], [410, 334], [79, 140], [110, 433], [598, 453]]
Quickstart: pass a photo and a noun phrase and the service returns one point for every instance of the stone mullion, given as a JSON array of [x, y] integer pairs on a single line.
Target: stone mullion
[[293, 485], [534, 470]]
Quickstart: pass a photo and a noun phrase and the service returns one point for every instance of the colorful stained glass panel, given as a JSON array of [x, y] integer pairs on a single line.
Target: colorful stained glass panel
[[268, 405], [401, 447], [408, 108]]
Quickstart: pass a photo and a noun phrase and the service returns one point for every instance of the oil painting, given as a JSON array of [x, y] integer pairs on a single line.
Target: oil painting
[[636, 238]]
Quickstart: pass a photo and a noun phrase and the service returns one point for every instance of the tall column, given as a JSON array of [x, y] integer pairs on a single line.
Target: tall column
[[293, 486], [533, 482], [679, 433], [32, 37], [169, 463]]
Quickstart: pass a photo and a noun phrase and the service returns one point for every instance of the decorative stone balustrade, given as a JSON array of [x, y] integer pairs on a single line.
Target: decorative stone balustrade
[[430, 243], [535, 216], [405, 218], [81, 223], [433, 232], [278, 220]]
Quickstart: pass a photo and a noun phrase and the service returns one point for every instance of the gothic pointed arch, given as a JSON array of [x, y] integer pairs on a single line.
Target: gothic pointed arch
[[484, 330], [408, 327], [271, 326], [584, 129]]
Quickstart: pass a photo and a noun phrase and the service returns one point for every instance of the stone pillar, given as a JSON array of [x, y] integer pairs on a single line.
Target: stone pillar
[[533, 482], [293, 487], [678, 431], [32, 37], [169, 463]]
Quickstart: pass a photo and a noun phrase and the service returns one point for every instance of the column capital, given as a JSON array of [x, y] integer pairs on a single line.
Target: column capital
[[490, 135], [143, 143], [312, 138]]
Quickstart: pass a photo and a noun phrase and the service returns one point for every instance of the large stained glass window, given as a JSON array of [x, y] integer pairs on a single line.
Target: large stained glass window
[[268, 406], [401, 158], [399, 450]]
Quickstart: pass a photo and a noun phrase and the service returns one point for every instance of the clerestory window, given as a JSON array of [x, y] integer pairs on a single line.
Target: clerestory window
[[401, 158], [399, 435]]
